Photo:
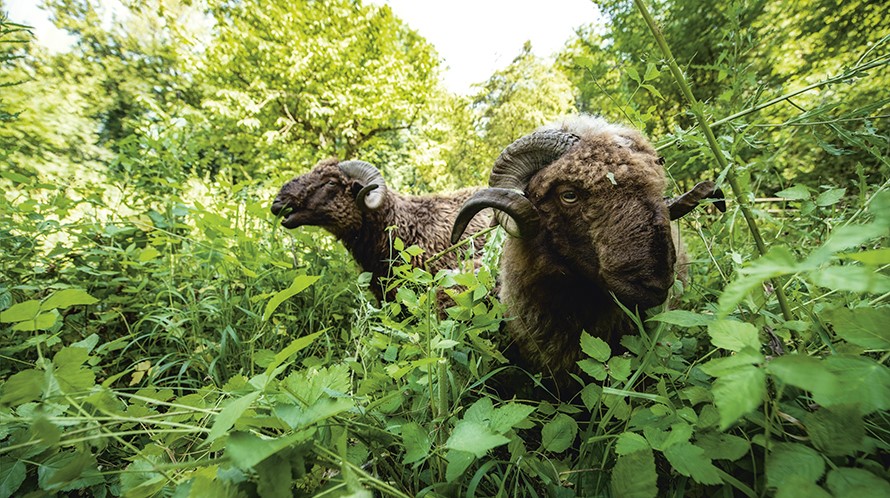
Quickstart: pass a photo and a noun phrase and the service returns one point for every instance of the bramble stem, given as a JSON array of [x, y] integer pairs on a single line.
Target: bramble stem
[[697, 109]]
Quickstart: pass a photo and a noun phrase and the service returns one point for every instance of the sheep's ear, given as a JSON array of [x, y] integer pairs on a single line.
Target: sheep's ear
[[683, 205]]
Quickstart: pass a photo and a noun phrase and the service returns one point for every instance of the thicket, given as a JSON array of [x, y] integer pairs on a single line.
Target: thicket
[[161, 335]]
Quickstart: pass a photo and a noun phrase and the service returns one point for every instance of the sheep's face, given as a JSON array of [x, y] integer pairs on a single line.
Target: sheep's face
[[601, 211], [325, 197]]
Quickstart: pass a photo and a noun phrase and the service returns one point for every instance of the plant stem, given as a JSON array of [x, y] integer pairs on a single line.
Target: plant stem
[[697, 109], [439, 255]]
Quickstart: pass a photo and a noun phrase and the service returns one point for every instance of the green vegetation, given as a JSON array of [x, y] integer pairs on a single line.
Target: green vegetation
[[161, 335]]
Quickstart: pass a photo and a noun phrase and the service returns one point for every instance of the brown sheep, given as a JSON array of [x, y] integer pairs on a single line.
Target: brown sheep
[[350, 199], [582, 201]]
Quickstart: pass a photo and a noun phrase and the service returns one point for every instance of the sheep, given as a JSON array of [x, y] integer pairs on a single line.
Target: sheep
[[350, 200], [581, 201]]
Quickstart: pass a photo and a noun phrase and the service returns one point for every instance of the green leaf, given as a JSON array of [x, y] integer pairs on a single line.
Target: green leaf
[[22, 387], [458, 462], [734, 336], [690, 460], [863, 382], [293, 348], [20, 312], [806, 373], [593, 368], [619, 368], [558, 434], [791, 460], [417, 442], [729, 364], [632, 73], [508, 416], [652, 72], [683, 318], [738, 393], [42, 321], [67, 471], [595, 347], [274, 477], [874, 258], [796, 193], [851, 278], [830, 197], [12, 475], [474, 438], [590, 395], [796, 487], [847, 482], [720, 446], [66, 298], [227, 417], [836, 430], [246, 450], [300, 283], [630, 442], [634, 475]]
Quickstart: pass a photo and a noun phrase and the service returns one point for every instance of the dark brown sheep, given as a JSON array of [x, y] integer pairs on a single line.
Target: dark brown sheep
[[350, 199], [582, 201]]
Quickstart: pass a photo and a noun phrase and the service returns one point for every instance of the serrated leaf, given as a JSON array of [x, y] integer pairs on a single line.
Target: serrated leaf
[[417, 442], [508, 416], [300, 283], [634, 475], [683, 318], [593, 368], [729, 364], [734, 336], [474, 438], [595, 347], [690, 460], [590, 395], [630, 442], [274, 477], [66, 298], [792, 460], [738, 393], [619, 368], [652, 72], [558, 434], [227, 417], [794, 487]]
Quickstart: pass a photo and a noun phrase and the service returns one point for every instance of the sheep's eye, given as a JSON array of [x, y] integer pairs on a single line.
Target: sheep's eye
[[569, 196]]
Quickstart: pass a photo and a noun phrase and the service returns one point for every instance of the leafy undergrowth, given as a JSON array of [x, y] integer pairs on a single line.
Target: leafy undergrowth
[[193, 349]]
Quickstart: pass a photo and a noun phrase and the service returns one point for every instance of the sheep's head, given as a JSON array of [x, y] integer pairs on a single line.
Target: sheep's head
[[332, 195], [589, 199]]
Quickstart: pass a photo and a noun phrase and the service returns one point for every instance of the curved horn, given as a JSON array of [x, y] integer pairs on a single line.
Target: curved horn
[[370, 197], [681, 206], [523, 218], [526, 156]]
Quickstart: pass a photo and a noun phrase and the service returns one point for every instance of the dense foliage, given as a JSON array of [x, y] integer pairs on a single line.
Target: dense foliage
[[161, 335]]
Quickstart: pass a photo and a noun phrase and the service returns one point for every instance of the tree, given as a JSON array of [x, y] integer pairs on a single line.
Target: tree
[[317, 77]]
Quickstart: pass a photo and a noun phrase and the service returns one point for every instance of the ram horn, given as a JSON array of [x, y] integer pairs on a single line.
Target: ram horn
[[522, 217], [681, 206], [370, 197], [520, 160]]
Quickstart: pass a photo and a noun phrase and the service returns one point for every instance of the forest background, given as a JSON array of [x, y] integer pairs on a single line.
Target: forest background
[[162, 335]]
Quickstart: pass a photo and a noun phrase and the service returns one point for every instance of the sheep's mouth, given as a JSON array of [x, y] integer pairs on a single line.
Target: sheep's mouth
[[290, 216]]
